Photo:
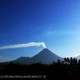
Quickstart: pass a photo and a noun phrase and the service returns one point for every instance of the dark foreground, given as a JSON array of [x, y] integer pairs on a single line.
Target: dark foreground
[[65, 70]]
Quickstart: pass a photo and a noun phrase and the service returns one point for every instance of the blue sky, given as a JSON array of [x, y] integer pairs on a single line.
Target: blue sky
[[55, 22]]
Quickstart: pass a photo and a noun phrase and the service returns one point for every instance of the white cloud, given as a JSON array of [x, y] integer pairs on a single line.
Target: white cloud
[[24, 45]]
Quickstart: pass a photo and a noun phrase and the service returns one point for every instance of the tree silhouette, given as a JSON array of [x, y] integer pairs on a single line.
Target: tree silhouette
[[67, 69]]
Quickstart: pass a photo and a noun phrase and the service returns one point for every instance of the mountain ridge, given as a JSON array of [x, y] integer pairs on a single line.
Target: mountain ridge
[[45, 56]]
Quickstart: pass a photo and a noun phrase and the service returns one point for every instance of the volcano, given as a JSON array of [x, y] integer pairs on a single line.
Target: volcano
[[45, 57]]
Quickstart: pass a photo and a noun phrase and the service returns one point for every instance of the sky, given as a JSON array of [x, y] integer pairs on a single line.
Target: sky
[[26, 26]]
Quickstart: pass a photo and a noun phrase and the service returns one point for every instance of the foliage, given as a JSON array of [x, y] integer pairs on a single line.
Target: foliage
[[67, 69]]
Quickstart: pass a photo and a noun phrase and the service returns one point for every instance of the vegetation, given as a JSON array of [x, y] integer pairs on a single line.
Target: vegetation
[[67, 69]]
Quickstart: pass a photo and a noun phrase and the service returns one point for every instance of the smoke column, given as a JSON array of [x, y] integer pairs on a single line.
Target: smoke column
[[24, 45]]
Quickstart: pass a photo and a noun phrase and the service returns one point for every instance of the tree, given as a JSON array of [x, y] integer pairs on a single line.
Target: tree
[[58, 61], [71, 60]]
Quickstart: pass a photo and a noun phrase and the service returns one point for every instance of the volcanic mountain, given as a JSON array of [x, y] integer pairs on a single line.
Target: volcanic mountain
[[45, 57]]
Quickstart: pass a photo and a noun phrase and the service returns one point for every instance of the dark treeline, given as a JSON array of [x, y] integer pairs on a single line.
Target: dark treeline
[[67, 69]]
